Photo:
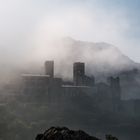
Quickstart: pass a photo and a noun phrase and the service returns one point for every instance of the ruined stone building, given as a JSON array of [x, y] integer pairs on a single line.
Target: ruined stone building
[[52, 90]]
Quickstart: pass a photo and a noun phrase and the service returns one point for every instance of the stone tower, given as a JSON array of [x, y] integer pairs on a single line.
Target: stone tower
[[78, 73], [115, 92], [49, 68]]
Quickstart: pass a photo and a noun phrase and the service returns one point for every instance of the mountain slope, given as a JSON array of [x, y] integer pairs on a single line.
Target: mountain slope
[[100, 58]]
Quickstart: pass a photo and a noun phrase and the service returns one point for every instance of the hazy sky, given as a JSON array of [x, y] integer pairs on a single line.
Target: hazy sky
[[24, 23]]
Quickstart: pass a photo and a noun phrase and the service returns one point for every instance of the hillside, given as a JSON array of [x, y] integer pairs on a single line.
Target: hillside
[[100, 58]]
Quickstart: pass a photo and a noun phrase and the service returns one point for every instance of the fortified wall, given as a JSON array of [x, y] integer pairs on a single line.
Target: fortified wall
[[52, 90]]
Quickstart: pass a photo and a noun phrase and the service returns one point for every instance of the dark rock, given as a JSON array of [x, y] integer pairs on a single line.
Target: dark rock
[[63, 133], [39, 136], [110, 137]]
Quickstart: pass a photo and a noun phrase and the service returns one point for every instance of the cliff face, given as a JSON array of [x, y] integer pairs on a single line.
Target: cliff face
[[63, 133]]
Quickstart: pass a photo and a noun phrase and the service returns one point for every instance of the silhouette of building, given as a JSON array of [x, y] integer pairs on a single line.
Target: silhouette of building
[[115, 92], [79, 77], [49, 68], [47, 88], [78, 73]]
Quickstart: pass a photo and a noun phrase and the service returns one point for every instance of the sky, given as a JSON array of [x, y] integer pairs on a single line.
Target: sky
[[26, 25]]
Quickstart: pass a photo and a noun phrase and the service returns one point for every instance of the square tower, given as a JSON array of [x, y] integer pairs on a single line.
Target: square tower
[[78, 73], [49, 68]]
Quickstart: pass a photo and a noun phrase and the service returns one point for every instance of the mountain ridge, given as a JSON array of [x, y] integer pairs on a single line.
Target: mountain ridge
[[100, 58]]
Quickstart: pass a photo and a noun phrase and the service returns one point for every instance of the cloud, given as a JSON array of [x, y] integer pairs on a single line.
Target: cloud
[[28, 26], [82, 23], [27, 23]]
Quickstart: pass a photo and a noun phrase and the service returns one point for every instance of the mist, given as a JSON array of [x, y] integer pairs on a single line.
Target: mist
[[31, 33], [102, 37]]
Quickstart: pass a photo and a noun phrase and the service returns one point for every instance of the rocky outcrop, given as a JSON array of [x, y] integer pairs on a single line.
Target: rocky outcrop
[[63, 133], [110, 137]]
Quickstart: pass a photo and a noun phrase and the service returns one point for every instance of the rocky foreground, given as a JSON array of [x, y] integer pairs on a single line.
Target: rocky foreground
[[63, 133]]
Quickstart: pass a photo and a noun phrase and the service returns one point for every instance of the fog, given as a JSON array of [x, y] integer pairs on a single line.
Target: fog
[[66, 32], [28, 29]]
